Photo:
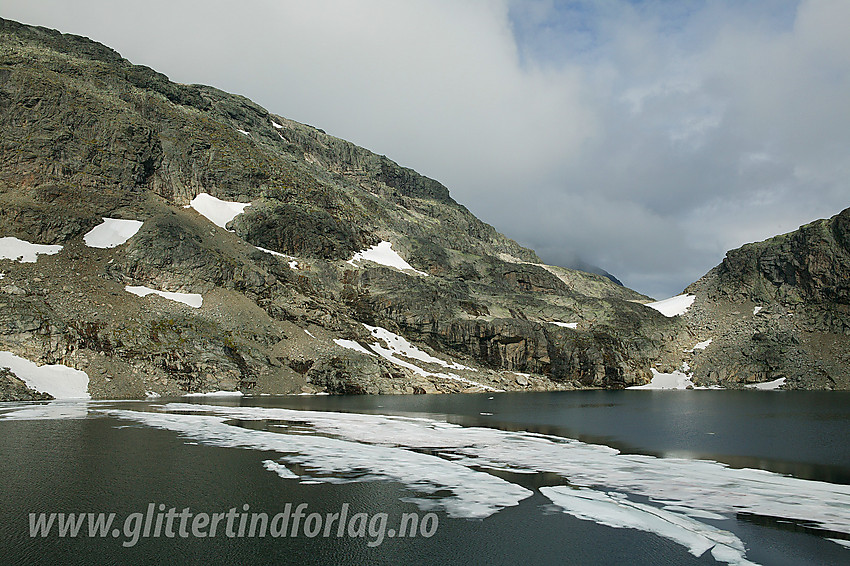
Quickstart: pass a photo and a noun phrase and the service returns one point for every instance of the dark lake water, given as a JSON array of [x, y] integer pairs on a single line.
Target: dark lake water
[[593, 477]]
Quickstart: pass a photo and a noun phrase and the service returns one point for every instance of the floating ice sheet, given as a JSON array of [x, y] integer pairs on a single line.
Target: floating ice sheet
[[54, 410], [615, 510], [334, 460], [280, 470], [676, 488]]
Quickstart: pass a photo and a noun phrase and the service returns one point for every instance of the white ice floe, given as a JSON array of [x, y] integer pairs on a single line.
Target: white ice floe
[[702, 345], [384, 254], [615, 510], [334, 460], [217, 211], [194, 300], [572, 325], [54, 410], [671, 497], [293, 264], [768, 385], [674, 306], [60, 381], [756, 310], [216, 394], [23, 251], [111, 232], [280, 470]]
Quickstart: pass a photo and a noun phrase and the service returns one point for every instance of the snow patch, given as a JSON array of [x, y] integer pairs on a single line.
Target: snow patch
[[194, 300], [216, 394], [276, 125], [675, 380], [152, 395], [292, 264], [60, 381], [243, 132], [398, 347], [768, 385], [23, 251], [702, 345], [384, 254], [756, 310], [572, 325], [674, 306], [352, 345], [217, 211], [111, 232]]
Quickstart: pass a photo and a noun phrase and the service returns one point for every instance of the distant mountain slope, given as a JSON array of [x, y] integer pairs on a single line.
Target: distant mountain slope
[[88, 135]]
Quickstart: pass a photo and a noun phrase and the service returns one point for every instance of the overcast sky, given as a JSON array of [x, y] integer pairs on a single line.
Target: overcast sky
[[647, 137]]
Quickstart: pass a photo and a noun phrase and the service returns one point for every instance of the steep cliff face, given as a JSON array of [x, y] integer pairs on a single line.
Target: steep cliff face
[[86, 135], [780, 309], [809, 267]]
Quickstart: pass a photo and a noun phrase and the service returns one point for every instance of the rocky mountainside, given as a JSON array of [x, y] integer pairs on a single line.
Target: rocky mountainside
[[780, 309], [297, 261]]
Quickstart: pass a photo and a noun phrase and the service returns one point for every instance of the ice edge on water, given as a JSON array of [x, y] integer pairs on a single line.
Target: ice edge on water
[[375, 447]]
